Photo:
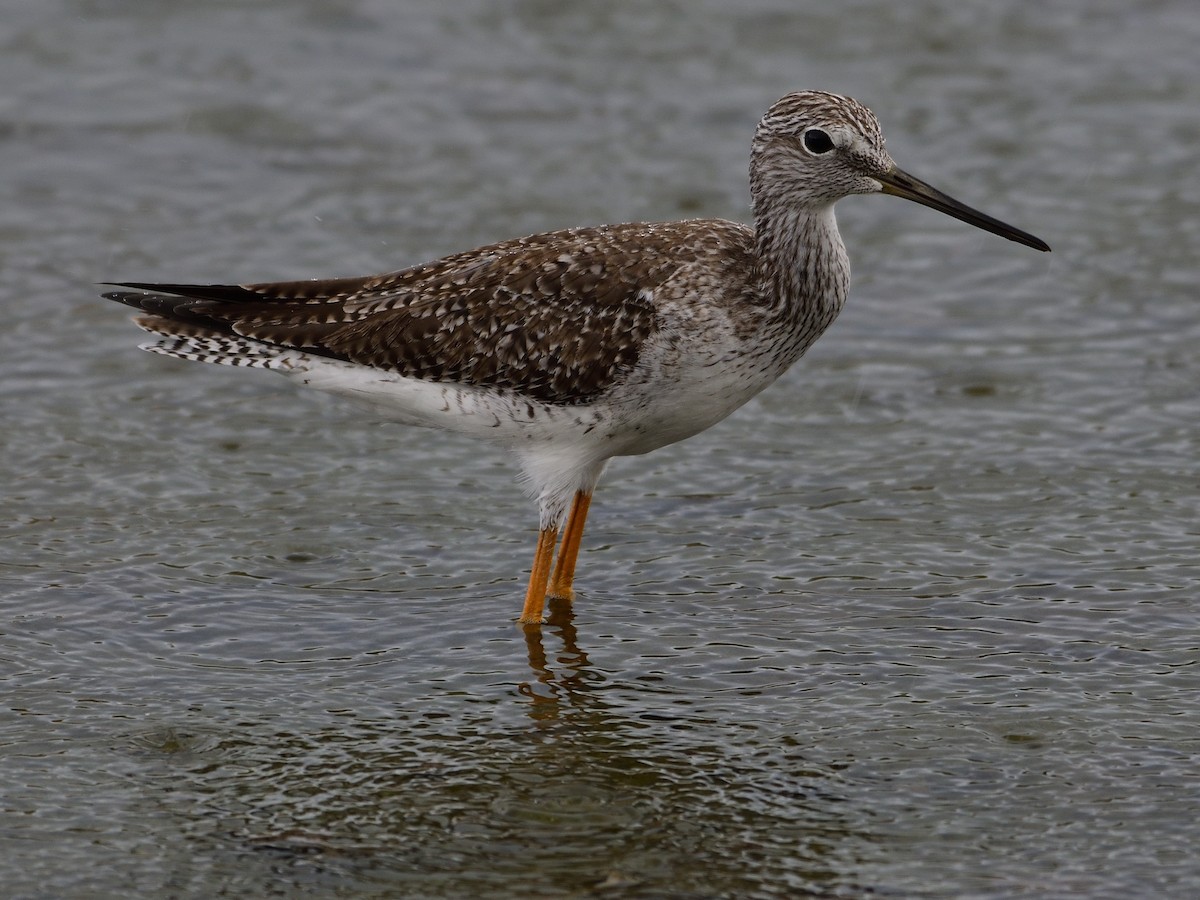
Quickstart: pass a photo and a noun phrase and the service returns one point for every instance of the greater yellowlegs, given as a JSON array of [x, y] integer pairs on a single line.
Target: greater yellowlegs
[[573, 347]]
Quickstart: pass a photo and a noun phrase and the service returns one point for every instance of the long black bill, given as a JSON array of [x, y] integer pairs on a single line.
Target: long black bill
[[899, 183]]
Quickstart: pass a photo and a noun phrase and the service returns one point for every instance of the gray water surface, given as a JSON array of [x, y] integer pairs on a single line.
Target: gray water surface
[[918, 622]]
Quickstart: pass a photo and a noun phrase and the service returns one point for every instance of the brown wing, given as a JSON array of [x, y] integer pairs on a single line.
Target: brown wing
[[557, 317]]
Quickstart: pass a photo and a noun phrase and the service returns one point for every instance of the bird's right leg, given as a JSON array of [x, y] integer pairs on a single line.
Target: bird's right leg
[[562, 582]]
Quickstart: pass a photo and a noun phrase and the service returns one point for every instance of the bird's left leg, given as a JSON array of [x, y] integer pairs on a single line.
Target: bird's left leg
[[535, 594]]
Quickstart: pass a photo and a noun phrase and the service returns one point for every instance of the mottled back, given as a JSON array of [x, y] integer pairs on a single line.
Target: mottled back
[[556, 317]]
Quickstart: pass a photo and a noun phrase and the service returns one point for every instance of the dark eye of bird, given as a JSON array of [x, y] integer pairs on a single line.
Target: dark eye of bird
[[817, 141]]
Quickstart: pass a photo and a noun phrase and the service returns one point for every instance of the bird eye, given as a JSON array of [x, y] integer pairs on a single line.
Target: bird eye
[[817, 141]]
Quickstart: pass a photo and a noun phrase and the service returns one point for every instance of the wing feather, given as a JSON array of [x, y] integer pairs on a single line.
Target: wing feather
[[557, 317]]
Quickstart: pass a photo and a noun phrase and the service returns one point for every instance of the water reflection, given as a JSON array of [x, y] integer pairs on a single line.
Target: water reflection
[[581, 797], [570, 679]]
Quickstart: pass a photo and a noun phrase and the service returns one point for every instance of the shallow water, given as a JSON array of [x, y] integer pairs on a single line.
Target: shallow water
[[918, 622]]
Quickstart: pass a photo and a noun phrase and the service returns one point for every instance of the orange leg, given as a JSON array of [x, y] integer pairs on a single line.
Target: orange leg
[[535, 595], [568, 553]]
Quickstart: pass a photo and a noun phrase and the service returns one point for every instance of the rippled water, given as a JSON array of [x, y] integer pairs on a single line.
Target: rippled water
[[919, 622]]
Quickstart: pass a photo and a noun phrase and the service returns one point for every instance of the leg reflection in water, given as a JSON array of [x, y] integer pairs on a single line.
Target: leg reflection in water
[[571, 680]]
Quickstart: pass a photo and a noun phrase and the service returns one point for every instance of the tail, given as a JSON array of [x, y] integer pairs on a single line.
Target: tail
[[187, 330]]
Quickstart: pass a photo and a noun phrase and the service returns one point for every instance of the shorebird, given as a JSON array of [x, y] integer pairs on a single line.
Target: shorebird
[[572, 347]]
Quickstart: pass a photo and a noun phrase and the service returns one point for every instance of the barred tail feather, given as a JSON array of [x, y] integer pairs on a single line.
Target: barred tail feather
[[199, 344]]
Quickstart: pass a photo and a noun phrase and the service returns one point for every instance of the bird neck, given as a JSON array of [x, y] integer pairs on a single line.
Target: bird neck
[[803, 263]]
